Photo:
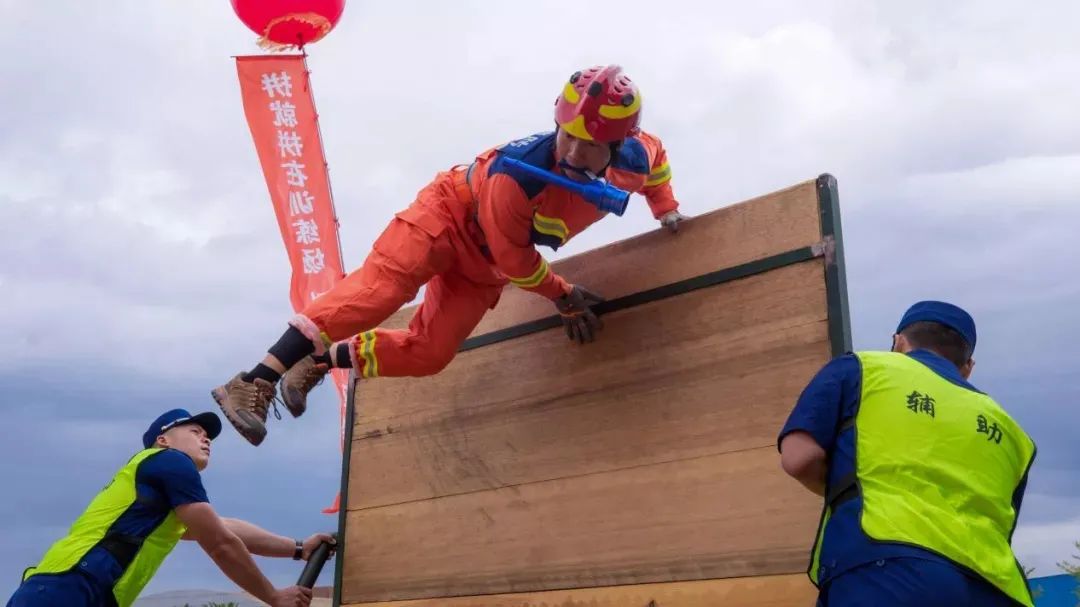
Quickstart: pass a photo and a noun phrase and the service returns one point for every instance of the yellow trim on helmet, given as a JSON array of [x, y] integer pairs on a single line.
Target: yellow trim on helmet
[[621, 111], [576, 127], [570, 94]]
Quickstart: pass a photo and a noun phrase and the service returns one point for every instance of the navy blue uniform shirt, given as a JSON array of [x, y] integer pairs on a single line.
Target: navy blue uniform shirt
[[830, 399]]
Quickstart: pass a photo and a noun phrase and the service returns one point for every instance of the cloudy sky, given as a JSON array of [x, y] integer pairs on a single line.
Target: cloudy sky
[[142, 264]]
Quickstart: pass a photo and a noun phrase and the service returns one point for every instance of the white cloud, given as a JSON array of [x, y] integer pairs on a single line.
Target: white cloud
[[1023, 185], [1044, 545]]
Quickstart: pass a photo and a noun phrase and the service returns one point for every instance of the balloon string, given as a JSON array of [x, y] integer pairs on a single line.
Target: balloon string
[[303, 51]]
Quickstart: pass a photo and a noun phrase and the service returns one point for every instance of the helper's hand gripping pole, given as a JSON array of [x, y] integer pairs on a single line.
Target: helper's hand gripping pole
[[600, 193], [315, 564]]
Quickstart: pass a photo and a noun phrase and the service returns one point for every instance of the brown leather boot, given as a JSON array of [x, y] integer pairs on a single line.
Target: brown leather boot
[[298, 381], [245, 405]]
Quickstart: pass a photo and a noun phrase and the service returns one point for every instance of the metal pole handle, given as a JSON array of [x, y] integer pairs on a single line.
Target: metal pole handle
[[315, 564]]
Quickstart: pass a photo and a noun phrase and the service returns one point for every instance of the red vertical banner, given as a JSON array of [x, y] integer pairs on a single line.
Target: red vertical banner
[[280, 111]]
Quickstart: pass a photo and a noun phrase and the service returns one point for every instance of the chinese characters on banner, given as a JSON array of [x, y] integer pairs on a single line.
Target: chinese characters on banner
[[280, 111]]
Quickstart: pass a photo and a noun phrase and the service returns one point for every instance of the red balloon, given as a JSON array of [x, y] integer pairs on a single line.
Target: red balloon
[[285, 23]]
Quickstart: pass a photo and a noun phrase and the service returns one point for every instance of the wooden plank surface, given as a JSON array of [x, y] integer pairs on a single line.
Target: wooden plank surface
[[642, 464], [729, 515], [754, 229], [794, 590], [712, 371]]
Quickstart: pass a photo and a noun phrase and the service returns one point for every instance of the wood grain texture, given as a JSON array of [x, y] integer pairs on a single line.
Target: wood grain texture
[[639, 468], [754, 229], [712, 371], [793, 590], [729, 515]]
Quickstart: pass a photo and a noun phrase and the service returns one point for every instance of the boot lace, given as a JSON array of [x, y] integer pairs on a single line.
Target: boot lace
[[313, 376], [260, 397]]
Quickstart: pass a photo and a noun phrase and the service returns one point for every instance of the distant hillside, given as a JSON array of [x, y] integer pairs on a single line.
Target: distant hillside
[[198, 598]]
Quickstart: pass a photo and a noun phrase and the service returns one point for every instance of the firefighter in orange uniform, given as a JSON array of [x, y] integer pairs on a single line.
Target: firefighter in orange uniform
[[469, 232]]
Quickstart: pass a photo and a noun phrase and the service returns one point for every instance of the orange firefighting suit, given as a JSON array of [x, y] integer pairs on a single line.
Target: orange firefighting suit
[[468, 233]]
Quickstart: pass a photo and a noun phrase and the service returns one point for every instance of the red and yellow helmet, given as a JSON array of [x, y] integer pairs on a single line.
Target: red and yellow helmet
[[600, 104]]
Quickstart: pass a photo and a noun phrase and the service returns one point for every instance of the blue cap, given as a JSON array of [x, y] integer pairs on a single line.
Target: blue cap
[[178, 417], [947, 314]]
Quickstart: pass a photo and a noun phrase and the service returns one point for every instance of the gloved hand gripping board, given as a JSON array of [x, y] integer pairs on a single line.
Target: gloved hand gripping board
[[638, 469]]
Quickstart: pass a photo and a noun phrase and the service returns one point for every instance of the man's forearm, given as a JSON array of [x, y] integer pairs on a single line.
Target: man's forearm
[[235, 561], [260, 541]]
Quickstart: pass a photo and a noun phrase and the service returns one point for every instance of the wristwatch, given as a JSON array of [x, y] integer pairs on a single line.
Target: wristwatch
[[299, 553]]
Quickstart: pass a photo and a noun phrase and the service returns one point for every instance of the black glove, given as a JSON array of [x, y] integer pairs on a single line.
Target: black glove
[[580, 321]]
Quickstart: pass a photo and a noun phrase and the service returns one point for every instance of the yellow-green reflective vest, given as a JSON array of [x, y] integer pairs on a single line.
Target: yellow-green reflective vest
[[937, 466], [93, 524]]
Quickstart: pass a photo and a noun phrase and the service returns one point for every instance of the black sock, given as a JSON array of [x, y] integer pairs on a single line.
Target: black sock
[[261, 371], [292, 347], [344, 355], [289, 349]]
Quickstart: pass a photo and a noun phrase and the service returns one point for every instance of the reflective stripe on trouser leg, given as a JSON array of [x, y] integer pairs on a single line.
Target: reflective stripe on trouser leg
[[364, 360]]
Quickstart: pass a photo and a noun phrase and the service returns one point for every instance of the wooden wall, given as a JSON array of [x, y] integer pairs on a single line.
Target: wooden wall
[[642, 467]]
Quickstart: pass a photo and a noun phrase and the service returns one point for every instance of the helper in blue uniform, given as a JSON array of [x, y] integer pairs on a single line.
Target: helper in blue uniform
[[156, 499], [941, 465]]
